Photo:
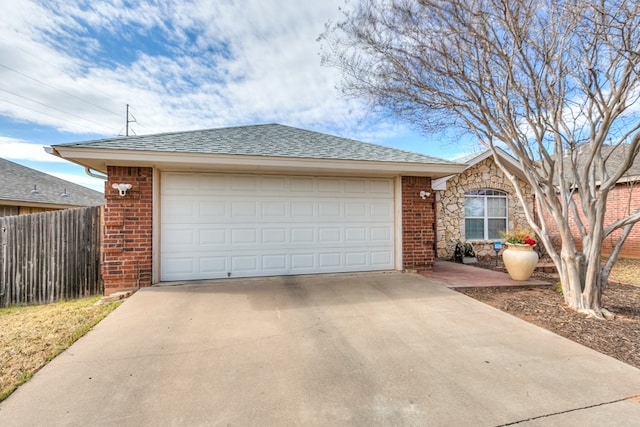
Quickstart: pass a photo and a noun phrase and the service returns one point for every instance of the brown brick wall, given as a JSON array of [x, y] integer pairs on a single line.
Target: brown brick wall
[[621, 199], [128, 220], [418, 224]]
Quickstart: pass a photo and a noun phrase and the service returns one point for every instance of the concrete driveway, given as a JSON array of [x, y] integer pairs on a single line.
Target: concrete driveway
[[364, 349]]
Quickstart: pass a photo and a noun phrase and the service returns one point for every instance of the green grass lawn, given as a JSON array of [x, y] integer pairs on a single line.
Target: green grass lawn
[[32, 336]]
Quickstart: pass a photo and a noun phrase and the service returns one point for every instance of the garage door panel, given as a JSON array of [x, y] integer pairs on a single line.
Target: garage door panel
[[213, 225], [276, 262], [381, 234], [244, 236], [215, 266], [181, 236], [356, 234], [329, 260], [207, 183], [302, 184], [244, 183], [244, 264], [212, 237], [356, 259], [274, 209], [274, 236], [331, 185], [381, 258], [355, 186], [303, 262], [181, 210], [179, 267], [246, 209], [303, 236], [381, 210], [273, 183], [212, 209], [329, 209], [302, 209], [329, 235]]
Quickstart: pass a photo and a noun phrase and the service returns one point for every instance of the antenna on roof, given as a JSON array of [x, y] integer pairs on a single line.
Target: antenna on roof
[[130, 119]]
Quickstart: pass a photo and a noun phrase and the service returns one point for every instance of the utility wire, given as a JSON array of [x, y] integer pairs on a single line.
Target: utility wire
[[59, 90], [49, 115], [54, 108], [134, 118]]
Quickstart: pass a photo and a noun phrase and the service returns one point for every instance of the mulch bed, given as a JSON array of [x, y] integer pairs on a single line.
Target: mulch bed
[[545, 307]]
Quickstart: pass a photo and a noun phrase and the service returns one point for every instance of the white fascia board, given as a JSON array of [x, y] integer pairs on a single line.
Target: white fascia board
[[98, 159], [440, 184]]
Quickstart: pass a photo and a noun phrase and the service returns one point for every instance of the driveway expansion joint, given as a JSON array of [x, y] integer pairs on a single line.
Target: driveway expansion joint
[[568, 411]]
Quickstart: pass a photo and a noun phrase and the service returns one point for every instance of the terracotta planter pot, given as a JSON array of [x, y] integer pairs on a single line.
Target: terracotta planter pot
[[519, 260]]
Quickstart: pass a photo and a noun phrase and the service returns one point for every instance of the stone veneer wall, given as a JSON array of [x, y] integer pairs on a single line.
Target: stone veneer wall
[[128, 224], [450, 206]]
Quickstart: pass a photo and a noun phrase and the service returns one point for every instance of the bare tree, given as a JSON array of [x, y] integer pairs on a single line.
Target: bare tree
[[554, 82]]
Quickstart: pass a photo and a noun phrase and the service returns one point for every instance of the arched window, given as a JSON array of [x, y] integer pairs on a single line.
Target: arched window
[[485, 214]]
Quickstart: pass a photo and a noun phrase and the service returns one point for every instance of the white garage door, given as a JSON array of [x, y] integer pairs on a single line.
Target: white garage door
[[221, 225]]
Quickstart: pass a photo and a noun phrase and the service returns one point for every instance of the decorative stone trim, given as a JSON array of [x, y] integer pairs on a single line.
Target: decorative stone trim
[[450, 206]]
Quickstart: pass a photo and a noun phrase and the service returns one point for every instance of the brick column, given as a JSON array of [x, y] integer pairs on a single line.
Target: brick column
[[128, 223], [418, 224]]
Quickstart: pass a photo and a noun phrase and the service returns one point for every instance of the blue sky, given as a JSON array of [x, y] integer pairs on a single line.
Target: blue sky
[[68, 69]]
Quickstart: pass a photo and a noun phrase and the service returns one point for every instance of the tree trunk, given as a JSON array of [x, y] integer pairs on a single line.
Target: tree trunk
[[582, 284]]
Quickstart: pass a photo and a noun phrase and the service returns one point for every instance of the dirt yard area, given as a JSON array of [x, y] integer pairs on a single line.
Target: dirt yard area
[[544, 306]]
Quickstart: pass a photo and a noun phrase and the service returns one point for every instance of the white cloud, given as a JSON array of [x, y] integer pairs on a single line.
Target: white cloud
[[230, 63], [84, 180], [13, 149]]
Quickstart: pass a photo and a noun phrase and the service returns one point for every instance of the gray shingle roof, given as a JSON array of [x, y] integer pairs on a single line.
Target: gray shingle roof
[[18, 184], [271, 140], [614, 156]]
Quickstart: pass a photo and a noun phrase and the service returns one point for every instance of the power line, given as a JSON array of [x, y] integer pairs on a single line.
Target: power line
[[59, 90], [48, 115], [53, 108]]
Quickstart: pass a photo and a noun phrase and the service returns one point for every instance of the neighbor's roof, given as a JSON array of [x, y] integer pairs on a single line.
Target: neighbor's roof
[[614, 156], [271, 141], [24, 186]]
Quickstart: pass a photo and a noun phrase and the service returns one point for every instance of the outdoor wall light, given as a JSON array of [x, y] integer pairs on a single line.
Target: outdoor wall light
[[122, 188], [424, 194]]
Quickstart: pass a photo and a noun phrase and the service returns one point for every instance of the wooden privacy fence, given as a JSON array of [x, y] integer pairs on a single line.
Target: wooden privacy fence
[[46, 257]]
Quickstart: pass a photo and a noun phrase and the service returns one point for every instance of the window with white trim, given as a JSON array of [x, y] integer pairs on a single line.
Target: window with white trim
[[485, 214]]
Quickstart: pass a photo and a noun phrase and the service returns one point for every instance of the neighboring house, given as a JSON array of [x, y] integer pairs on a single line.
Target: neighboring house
[[25, 190], [622, 200], [257, 201], [477, 204]]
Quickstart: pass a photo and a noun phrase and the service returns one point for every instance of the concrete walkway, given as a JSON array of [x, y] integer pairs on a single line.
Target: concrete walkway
[[455, 275], [359, 350]]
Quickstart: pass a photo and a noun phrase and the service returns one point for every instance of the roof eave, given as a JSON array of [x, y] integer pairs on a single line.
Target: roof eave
[[99, 159], [44, 204]]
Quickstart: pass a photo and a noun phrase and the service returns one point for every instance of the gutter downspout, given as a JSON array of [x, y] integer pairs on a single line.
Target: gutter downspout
[[87, 169]]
